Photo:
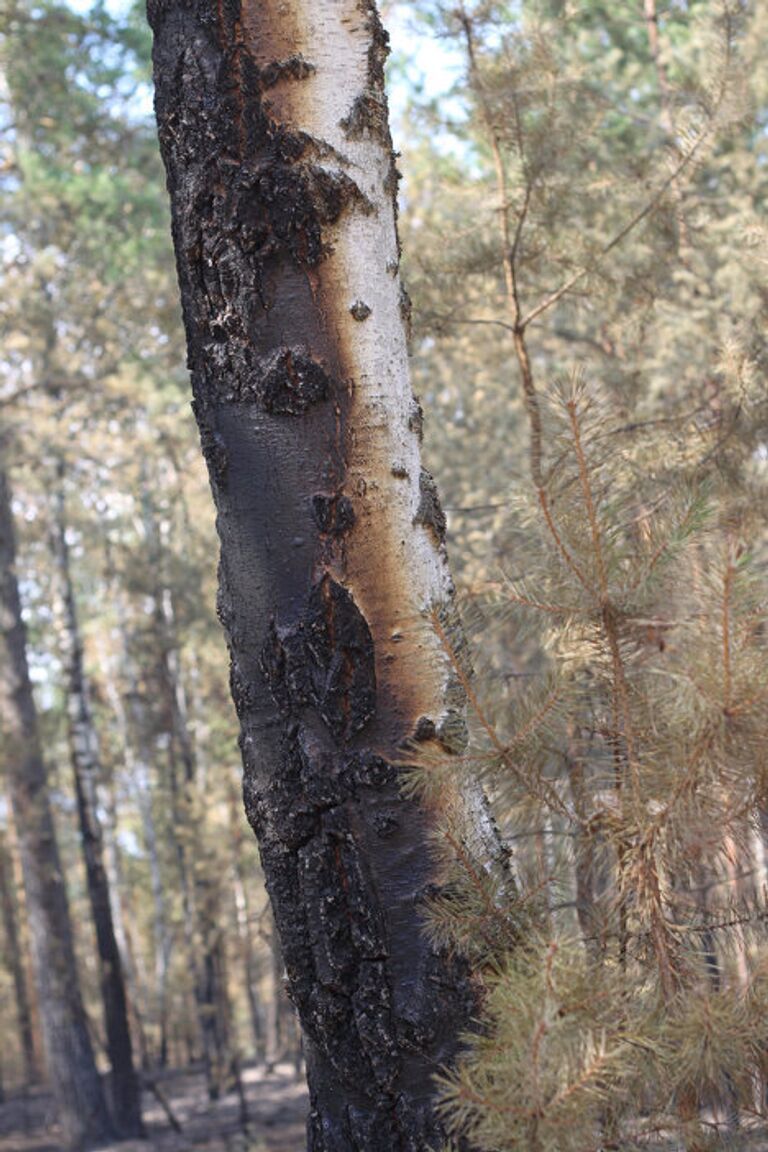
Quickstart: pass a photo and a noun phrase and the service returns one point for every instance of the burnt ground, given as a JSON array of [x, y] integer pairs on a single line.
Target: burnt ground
[[276, 1104]]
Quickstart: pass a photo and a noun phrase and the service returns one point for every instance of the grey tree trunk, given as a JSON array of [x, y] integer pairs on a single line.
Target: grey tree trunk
[[86, 768], [15, 962], [80, 1101], [273, 127]]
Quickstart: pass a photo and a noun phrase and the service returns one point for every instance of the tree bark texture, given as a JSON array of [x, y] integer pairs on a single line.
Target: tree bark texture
[[77, 1089], [87, 772], [273, 127]]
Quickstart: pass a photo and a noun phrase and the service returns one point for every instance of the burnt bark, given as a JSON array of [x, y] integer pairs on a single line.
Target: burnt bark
[[332, 553], [87, 772], [77, 1089]]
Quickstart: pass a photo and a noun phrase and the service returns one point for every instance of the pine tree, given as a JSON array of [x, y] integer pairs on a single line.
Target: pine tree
[[629, 581]]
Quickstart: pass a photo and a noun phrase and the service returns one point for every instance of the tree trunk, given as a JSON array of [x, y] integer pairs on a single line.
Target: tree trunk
[[274, 1049], [273, 128], [201, 932], [86, 768], [137, 759], [123, 913], [132, 739], [22, 927], [77, 1089], [245, 931], [14, 960]]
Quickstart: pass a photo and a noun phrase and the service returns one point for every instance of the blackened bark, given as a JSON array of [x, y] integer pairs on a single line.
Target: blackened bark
[[14, 960], [332, 658], [74, 1079], [87, 772]]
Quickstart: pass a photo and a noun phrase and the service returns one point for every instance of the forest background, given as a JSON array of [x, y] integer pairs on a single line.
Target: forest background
[[585, 245]]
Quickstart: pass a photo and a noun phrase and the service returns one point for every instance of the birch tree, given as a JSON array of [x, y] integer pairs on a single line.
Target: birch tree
[[273, 128], [82, 1110], [87, 773]]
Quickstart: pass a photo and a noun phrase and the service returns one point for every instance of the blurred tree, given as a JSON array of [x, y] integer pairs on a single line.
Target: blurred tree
[[15, 959], [85, 253], [84, 753], [72, 1071]]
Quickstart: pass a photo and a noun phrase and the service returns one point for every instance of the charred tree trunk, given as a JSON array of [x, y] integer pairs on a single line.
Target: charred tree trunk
[[86, 768], [75, 1081], [15, 962], [273, 128]]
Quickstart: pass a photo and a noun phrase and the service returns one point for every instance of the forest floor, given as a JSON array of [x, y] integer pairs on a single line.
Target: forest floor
[[276, 1106]]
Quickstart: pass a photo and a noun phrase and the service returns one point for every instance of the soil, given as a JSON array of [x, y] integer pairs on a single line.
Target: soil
[[276, 1106]]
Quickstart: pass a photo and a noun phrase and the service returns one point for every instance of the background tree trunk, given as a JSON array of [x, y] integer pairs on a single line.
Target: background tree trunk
[[202, 936], [273, 128], [276, 1008], [249, 959], [75, 1081], [15, 962], [84, 755]]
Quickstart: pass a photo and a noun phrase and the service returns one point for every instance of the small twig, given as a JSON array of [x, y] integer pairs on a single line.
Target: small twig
[[153, 1087]]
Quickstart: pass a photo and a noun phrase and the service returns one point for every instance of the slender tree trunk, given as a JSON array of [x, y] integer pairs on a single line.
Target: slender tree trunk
[[132, 723], [86, 768], [123, 914], [137, 775], [245, 930], [15, 962], [274, 1027], [202, 936], [75, 1081], [273, 127]]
